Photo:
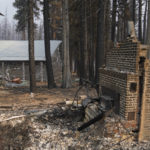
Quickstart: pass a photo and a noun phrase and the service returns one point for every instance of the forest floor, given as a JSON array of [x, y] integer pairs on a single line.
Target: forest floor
[[45, 122], [21, 97]]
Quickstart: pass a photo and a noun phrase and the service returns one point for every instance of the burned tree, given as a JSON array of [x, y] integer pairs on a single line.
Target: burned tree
[[148, 27], [100, 39], [113, 26], [140, 21]]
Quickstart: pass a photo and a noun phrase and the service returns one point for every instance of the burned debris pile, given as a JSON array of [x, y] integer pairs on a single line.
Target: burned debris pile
[[56, 127]]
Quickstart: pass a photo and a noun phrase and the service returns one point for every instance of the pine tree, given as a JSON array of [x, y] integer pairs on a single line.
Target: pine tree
[[50, 76], [31, 46], [5, 27], [133, 10], [145, 24], [140, 21], [148, 28], [66, 59], [113, 26], [100, 39], [82, 45], [22, 15]]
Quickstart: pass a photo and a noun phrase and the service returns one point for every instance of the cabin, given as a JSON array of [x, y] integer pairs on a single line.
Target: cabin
[[14, 59]]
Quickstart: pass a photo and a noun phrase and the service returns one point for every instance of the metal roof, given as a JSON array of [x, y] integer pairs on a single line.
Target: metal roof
[[18, 50]]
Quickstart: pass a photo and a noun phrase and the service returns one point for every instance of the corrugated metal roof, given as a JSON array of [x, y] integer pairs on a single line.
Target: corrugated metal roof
[[18, 50]]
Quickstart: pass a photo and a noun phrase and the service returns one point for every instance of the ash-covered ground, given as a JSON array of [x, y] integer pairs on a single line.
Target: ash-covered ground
[[55, 128]]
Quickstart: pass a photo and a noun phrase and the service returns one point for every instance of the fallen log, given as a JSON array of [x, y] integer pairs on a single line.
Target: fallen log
[[32, 114], [6, 107], [12, 118]]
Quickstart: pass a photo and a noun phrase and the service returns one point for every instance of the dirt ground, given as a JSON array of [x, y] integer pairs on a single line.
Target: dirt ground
[[20, 97]]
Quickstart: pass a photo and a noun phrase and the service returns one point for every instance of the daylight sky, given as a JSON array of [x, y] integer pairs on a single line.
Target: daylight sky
[[6, 5]]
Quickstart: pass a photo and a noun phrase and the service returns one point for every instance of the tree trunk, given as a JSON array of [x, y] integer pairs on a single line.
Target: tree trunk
[[133, 10], [82, 57], [31, 46], [107, 29], [24, 34], [140, 21], [66, 61], [91, 52], [144, 26], [127, 17], [49, 68], [113, 27], [148, 29], [86, 41], [119, 29], [100, 40]]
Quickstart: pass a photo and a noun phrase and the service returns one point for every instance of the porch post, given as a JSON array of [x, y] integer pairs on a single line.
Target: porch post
[[3, 70], [41, 71], [23, 71]]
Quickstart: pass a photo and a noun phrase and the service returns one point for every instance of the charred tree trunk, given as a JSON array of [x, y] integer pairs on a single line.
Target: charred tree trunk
[[113, 27], [119, 28], [66, 60], [49, 68], [82, 57], [31, 46], [127, 17], [107, 29], [100, 40], [144, 26], [140, 21], [148, 28], [133, 10], [91, 51], [86, 41]]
